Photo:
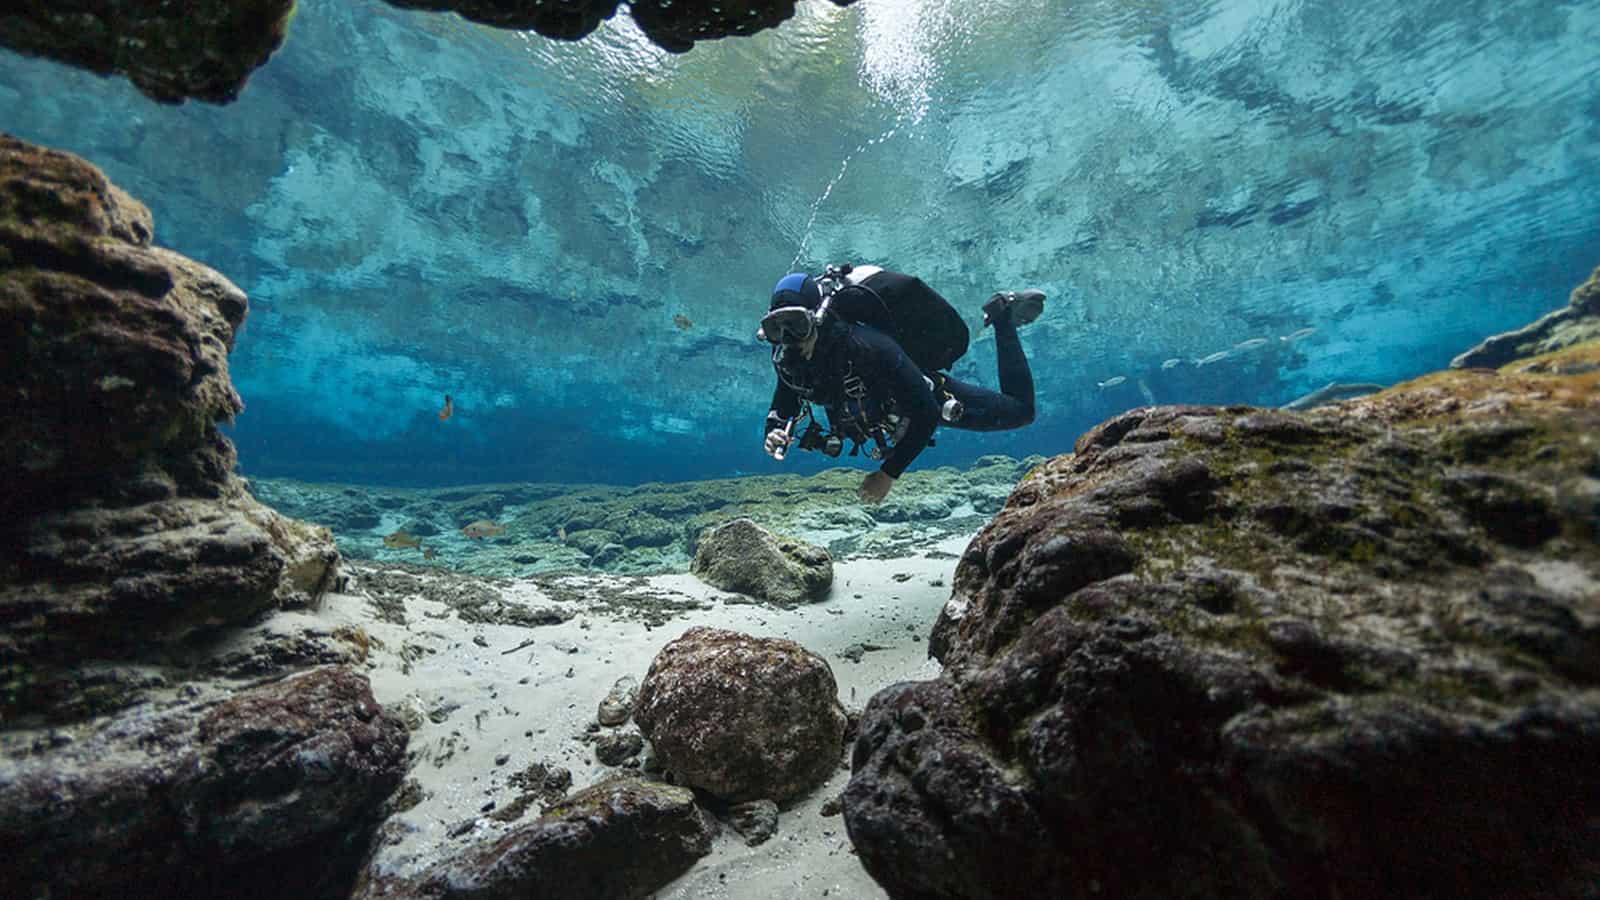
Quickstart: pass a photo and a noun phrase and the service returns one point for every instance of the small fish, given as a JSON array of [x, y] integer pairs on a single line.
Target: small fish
[[430, 553], [448, 410], [400, 540], [561, 533], [1215, 357], [1251, 344], [682, 321], [1333, 392], [1144, 391], [1171, 363], [481, 529], [1293, 336], [1112, 381]]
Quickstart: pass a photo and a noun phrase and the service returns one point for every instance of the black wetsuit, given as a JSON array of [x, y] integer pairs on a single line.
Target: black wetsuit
[[859, 374]]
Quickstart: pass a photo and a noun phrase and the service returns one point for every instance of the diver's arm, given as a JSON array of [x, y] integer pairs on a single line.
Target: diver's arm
[[785, 406], [913, 398]]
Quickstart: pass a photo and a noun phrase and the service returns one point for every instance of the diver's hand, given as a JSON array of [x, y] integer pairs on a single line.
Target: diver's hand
[[876, 486], [777, 444]]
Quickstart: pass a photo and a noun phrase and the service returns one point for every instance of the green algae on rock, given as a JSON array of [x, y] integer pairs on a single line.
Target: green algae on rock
[[1575, 323], [742, 557], [1220, 651]]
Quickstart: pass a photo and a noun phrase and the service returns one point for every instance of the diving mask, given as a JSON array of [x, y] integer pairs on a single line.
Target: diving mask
[[787, 325]]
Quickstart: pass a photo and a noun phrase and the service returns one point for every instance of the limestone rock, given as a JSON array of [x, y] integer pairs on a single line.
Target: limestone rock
[[613, 748], [1575, 323], [123, 528], [921, 507], [1250, 653], [617, 706], [742, 557], [620, 839], [742, 717], [756, 821], [207, 799], [117, 350]]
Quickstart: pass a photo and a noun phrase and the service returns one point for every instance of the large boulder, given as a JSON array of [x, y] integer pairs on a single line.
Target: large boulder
[[742, 557], [620, 839], [741, 717], [1215, 652], [1575, 323], [272, 791], [123, 527]]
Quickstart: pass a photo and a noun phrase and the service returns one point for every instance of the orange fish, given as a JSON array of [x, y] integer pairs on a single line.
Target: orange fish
[[448, 410], [482, 528]]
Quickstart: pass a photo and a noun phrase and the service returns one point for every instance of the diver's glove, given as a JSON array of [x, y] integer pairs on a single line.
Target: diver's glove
[[777, 444]]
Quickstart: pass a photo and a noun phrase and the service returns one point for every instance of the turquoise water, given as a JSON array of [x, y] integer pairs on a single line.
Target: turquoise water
[[418, 206]]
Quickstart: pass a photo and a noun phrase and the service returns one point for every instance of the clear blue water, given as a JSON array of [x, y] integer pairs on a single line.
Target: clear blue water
[[420, 206]]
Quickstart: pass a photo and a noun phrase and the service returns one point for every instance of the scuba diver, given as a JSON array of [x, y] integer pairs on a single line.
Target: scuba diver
[[868, 345]]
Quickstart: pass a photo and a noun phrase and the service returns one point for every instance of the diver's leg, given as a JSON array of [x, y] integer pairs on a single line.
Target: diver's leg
[[986, 410], [1016, 379]]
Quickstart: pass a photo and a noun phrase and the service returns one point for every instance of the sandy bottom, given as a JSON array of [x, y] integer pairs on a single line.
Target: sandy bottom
[[493, 699]]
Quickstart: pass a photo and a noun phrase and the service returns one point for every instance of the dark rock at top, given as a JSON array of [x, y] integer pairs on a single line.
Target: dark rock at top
[[204, 49], [1243, 653], [567, 20], [673, 25]]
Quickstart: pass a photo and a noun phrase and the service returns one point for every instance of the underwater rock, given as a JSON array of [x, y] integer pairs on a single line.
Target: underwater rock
[[674, 27], [123, 527], [913, 508], [617, 707], [742, 717], [1244, 653], [620, 839], [756, 821], [1575, 323], [613, 748], [116, 350], [204, 49], [264, 652], [742, 557], [211, 798]]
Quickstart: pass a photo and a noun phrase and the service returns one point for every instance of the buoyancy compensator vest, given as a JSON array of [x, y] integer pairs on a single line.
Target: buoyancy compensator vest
[[921, 321]]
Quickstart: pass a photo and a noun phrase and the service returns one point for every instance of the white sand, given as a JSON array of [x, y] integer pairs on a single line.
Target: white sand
[[533, 704]]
